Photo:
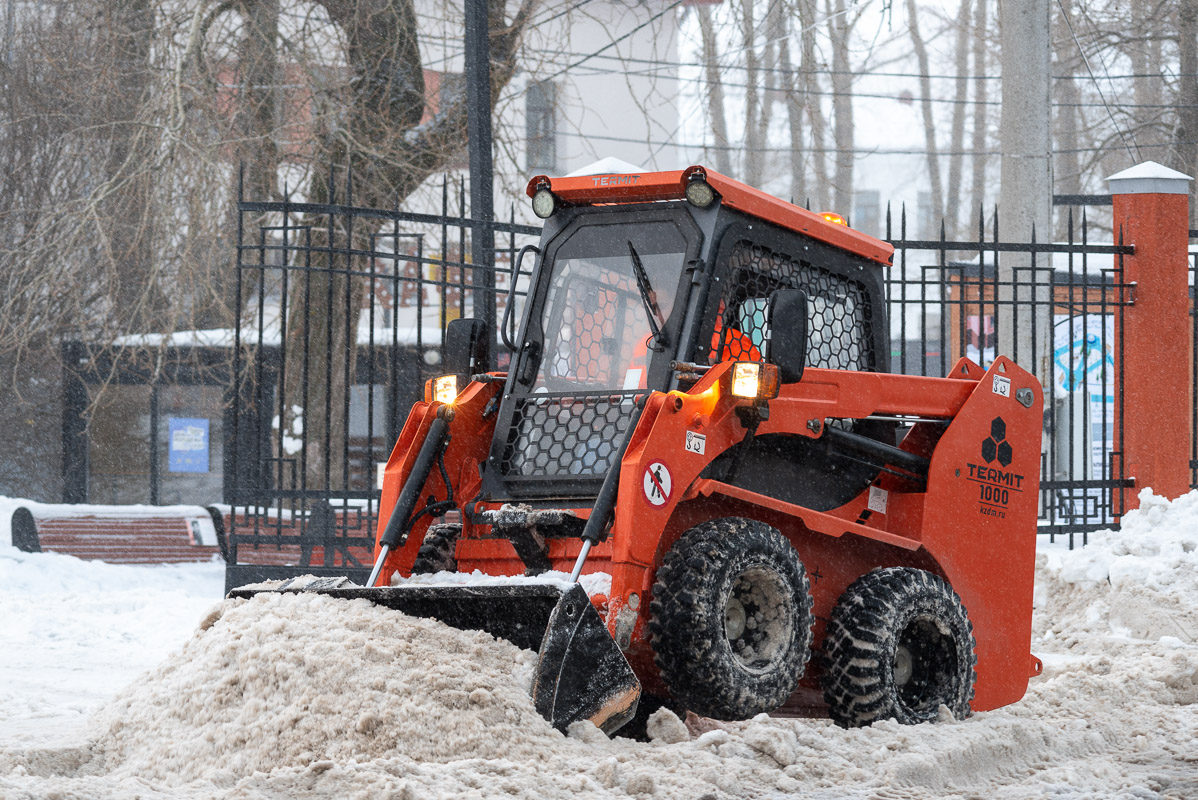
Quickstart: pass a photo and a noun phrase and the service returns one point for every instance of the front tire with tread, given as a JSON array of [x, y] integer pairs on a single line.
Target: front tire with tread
[[730, 621], [899, 645]]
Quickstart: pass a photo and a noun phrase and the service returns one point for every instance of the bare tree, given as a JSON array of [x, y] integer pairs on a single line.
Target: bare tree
[[957, 131], [1067, 174], [809, 21], [390, 149], [714, 84], [1185, 137], [929, 122], [840, 30], [977, 191]]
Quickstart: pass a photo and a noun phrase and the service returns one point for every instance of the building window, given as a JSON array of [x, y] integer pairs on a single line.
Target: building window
[[927, 222], [867, 215], [541, 117]]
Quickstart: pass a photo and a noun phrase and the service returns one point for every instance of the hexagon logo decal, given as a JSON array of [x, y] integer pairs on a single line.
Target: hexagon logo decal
[[996, 446]]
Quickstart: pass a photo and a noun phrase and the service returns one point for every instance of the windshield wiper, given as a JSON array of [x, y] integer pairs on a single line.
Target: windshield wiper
[[649, 299]]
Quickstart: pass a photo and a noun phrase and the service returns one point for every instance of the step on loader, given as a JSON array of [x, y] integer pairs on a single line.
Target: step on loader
[[698, 405]]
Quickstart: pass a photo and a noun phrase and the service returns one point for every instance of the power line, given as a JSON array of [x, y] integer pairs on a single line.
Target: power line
[[615, 42], [1086, 61], [827, 150]]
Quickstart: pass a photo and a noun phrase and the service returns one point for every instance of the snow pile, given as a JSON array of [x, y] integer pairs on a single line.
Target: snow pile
[[288, 679], [1139, 582], [306, 697]]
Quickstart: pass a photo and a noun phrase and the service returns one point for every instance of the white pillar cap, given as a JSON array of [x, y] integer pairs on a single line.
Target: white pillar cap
[[1149, 178]]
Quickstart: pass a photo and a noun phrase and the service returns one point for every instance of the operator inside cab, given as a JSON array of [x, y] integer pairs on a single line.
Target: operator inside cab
[[606, 311]]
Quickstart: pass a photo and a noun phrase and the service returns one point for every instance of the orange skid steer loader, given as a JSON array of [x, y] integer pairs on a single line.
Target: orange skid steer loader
[[698, 407]]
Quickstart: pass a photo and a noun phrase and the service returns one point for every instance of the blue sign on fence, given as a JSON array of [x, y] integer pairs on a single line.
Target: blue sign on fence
[[188, 450]]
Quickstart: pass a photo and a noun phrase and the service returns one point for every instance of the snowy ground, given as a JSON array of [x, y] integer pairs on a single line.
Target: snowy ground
[[73, 633], [267, 699]]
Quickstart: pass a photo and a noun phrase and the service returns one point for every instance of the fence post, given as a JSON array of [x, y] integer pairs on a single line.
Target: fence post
[[1152, 424]]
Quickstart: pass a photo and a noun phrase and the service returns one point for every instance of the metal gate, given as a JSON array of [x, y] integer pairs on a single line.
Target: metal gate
[[343, 312], [950, 299]]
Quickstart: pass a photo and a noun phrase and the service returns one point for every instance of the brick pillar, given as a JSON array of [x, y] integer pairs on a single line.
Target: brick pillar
[[1151, 208]]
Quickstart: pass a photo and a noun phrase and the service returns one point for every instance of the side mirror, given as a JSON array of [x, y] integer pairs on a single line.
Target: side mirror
[[467, 348], [787, 346]]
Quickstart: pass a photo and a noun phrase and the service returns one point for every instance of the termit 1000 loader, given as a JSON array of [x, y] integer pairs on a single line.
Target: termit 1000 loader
[[699, 405]]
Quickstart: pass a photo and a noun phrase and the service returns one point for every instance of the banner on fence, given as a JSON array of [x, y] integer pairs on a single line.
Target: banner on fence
[[1084, 396]]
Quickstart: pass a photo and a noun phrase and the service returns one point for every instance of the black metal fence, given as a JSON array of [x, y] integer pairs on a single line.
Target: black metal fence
[[1193, 281], [343, 316], [1057, 306], [344, 311]]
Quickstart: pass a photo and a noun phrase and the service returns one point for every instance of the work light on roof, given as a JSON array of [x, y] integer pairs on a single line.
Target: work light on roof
[[699, 192], [544, 203]]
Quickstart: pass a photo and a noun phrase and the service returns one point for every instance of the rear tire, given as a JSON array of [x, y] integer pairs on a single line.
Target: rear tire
[[438, 550], [730, 621], [899, 645]]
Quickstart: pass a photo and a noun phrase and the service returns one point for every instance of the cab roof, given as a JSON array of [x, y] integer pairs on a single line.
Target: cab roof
[[643, 187]]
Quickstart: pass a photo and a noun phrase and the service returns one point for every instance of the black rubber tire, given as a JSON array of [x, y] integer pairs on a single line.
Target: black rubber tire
[[899, 645], [437, 552], [706, 619]]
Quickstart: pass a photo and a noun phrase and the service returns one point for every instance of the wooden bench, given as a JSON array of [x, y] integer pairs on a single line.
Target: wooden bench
[[119, 534]]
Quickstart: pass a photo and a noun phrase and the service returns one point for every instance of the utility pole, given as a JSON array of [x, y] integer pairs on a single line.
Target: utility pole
[[478, 128], [1025, 194]]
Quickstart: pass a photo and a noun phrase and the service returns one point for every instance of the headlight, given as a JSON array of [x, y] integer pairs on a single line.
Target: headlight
[[544, 203], [445, 388], [699, 193], [753, 380], [746, 379]]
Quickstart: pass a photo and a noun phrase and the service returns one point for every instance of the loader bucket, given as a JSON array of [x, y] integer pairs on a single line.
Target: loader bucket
[[580, 672]]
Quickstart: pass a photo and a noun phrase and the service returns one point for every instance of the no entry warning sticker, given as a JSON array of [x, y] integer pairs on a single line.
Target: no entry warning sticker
[[657, 484]]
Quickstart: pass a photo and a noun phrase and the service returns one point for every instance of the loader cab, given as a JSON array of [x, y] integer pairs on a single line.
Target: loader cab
[[604, 318], [628, 284]]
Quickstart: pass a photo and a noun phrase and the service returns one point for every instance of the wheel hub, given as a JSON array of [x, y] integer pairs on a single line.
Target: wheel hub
[[925, 661], [758, 618], [902, 666], [734, 619]]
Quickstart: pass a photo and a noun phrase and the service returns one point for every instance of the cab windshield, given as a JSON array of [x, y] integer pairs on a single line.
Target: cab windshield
[[595, 321]]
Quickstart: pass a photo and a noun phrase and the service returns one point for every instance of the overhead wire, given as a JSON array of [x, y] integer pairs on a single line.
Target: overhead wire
[[1086, 61]]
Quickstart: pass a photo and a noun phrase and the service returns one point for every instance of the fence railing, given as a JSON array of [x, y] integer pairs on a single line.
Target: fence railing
[[965, 298], [343, 315]]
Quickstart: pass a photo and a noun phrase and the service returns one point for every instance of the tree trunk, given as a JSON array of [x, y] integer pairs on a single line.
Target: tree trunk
[[977, 194], [390, 152], [715, 92], [1186, 136], [957, 134], [839, 31], [1067, 176], [811, 102], [754, 138], [794, 119], [1144, 50], [775, 33], [126, 221], [927, 227]]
